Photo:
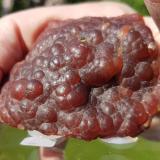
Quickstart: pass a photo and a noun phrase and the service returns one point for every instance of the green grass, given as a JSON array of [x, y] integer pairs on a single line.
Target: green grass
[[10, 149], [97, 150]]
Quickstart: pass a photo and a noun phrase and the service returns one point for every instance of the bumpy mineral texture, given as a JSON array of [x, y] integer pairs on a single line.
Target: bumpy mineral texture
[[86, 78]]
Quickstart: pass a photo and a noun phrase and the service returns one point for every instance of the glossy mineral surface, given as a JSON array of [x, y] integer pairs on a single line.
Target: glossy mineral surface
[[86, 78]]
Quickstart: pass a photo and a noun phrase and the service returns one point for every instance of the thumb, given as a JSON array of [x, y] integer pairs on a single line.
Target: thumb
[[156, 33]]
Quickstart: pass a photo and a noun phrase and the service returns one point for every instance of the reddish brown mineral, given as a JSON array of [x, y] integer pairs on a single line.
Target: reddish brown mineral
[[86, 78]]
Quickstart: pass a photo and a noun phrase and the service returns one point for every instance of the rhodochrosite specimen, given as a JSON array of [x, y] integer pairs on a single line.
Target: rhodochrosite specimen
[[86, 78]]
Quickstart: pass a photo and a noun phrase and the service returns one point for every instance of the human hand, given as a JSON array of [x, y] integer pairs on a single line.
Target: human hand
[[19, 31]]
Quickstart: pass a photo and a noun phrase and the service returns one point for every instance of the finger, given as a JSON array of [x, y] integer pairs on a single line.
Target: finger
[[30, 21], [18, 31], [12, 46], [50, 154], [151, 24]]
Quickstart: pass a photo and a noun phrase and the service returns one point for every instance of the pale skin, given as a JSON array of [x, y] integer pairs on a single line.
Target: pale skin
[[19, 31]]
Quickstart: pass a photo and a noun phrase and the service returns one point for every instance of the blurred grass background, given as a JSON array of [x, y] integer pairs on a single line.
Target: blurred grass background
[[23, 4], [143, 149]]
